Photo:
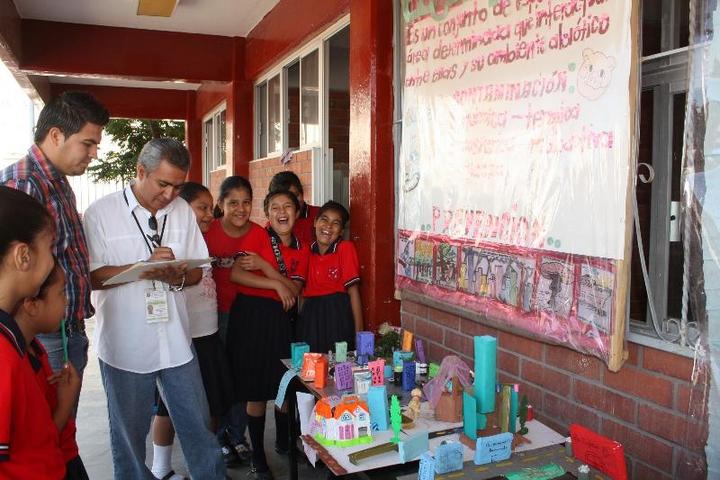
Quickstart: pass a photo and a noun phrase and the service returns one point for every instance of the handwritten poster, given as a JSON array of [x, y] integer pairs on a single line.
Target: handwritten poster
[[514, 160]]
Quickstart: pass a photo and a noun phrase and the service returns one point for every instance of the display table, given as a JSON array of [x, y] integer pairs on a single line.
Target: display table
[[518, 461], [539, 435]]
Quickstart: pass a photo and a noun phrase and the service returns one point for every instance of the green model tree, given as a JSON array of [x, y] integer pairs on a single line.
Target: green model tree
[[130, 135], [395, 418], [523, 415]]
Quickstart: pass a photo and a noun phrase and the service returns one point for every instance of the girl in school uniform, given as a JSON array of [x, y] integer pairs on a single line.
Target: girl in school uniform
[[228, 236], [331, 310], [41, 314], [259, 333], [202, 311], [29, 446]]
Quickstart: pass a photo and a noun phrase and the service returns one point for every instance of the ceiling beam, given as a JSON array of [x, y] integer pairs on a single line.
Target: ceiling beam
[[90, 50], [123, 102]]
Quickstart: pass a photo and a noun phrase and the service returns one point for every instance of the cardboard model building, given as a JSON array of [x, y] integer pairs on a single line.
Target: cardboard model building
[[342, 423]]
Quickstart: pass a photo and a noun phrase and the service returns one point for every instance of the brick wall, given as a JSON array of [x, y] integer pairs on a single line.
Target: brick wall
[[650, 406], [216, 179], [262, 171]]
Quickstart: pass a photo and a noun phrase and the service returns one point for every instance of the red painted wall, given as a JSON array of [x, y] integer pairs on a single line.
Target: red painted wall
[[286, 27], [124, 52], [10, 29], [151, 103]]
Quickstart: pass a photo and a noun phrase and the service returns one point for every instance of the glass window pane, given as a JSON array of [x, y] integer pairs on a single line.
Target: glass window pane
[[676, 259], [220, 139], [208, 144], [293, 105], [651, 27], [638, 294], [309, 97], [274, 123], [261, 121]]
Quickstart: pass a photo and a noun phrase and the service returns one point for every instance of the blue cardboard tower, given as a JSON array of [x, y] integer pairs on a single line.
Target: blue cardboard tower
[[297, 351], [378, 405]]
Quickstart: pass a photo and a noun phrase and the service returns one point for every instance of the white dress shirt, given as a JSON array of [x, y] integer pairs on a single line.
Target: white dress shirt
[[123, 337]]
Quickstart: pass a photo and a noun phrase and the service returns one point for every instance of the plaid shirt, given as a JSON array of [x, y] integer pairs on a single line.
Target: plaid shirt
[[37, 177]]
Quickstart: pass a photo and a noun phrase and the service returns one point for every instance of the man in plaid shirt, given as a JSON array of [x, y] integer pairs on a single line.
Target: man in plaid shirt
[[67, 135]]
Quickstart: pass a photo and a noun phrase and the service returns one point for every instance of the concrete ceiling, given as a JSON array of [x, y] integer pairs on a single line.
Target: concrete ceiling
[[233, 18]]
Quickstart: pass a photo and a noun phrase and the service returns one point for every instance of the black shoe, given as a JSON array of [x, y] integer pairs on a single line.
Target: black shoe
[[255, 475], [231, 458], [242, 450]]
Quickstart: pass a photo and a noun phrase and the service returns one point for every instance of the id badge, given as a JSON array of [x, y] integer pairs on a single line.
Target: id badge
[[156, 306]]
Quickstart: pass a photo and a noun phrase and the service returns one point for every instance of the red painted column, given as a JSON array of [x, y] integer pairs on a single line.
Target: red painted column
[[193, 138], [240, 113], [372, 197]]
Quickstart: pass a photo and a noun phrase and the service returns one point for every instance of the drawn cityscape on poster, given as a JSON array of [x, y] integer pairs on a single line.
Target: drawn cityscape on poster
[[423, 261], [406, 257], [446, 261], [595, 299], [555, 287]]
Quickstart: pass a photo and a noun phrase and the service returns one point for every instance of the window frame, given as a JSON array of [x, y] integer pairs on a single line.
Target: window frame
[[280, 68], [210, 164]]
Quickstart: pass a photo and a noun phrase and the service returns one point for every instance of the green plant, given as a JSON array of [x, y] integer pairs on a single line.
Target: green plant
[[386, 344]]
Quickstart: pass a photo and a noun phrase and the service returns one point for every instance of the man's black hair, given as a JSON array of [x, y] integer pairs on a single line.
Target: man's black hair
[[70, 112]]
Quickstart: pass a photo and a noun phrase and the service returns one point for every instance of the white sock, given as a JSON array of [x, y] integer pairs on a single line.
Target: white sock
[[162, 456]]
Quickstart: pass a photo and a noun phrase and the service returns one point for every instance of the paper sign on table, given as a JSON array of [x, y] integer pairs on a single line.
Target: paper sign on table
[[494, 448], [305, 404], [427, 467]]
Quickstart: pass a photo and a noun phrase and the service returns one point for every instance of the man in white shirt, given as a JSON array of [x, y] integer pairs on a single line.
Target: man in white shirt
[[142, 335]]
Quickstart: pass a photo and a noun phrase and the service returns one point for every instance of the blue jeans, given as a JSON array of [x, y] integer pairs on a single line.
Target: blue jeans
[[235, 421], [77, 353], [130, 408]]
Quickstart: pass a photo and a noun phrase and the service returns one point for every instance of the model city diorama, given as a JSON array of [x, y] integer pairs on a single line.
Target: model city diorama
[[493, 415]]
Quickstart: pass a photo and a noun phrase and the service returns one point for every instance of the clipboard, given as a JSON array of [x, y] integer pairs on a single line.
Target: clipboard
[[132, 273]]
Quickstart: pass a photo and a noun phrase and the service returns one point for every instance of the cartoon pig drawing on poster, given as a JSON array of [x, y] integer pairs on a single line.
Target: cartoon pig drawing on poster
[[595, 74]]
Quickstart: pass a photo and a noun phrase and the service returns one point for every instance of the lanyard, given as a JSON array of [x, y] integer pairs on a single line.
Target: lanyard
[[142, 232]]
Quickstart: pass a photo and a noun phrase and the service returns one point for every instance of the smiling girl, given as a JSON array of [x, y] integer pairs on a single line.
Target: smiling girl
[[259, 331], [332, 310]]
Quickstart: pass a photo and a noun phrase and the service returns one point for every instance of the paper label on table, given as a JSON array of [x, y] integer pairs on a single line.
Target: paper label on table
[[449, 457], [305, 404], [282, 389], [133, 272], [156, 306], [494, 448], [427, 467]]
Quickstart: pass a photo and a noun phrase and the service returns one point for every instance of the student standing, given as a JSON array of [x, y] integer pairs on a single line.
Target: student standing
[[43, 313], [227, 237], [29, 447], [259, 330], [332, 309]]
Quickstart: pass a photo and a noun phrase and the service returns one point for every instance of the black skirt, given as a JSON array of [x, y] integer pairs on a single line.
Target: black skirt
[[325, 320], [215, 373], [258, 339]]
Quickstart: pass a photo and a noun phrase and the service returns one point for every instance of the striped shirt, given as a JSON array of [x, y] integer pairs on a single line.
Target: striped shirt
[[37, 177]]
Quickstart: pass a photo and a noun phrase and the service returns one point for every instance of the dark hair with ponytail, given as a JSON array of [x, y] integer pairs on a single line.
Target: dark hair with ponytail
[[228, 185]]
